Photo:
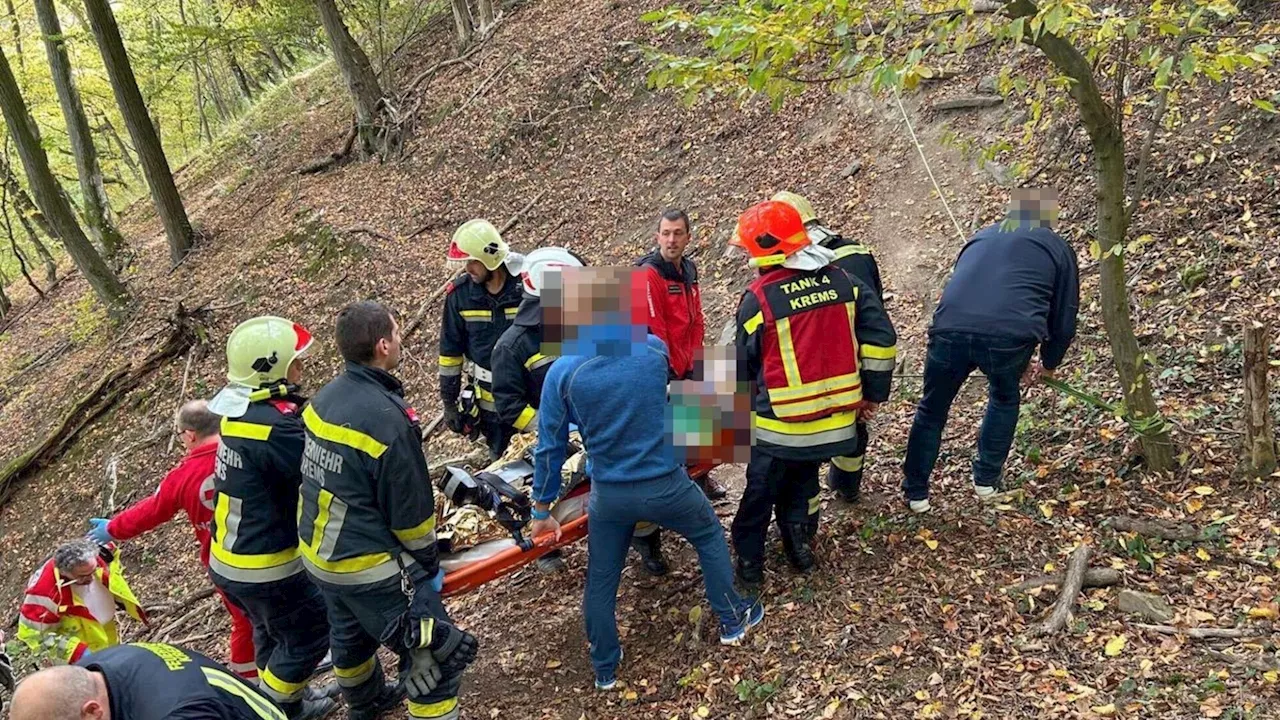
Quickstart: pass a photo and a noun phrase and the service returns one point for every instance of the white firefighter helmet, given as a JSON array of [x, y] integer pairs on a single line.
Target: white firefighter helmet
[[478, 240], [259, 352], [539, 263], [799, 202]]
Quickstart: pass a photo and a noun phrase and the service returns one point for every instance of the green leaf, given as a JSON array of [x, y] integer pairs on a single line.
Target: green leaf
[[653, 16], [1265, 49], [1187, 66], [1162, 73], [1266, 105]]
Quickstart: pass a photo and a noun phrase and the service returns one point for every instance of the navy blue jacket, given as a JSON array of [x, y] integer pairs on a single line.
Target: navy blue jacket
[[1023, 284]]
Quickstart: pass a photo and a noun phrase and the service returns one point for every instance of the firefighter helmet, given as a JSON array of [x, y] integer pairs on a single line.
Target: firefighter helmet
[[260, 350], [478, 240], [799, 202], [542, 261], [771, 232]]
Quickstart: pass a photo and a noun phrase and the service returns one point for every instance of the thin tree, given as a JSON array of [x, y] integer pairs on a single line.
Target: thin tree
[[97, 210], [484, 8], [13, 245], [49, 196], [462, 22], [29, 216], [362, 82], [155, 165]]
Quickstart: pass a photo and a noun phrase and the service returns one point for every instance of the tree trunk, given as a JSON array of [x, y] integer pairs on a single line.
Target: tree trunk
[[22, 201], [97, 210], [46, 257], [154, 163], [1259, 434], [462, 22], [1113, 225], [362, 83], [5, 304], [126, 153], [215, 90], [484, 8], [17, 255], [274, 56], [228, 55], [48, 195], [17, 35]]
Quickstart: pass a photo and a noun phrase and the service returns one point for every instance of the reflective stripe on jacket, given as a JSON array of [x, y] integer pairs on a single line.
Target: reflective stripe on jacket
[[367, 502], [470, 325], [816, 344], [255, 514], [52, 617]]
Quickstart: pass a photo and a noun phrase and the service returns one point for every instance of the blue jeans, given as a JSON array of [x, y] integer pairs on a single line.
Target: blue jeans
[[951, 358], [674, 502]]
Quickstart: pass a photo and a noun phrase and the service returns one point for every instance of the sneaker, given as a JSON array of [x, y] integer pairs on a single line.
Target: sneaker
[[984, 492], [732, 635], [919, 506]]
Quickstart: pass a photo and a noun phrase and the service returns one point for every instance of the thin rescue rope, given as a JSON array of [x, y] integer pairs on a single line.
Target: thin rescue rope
[[897, 96]]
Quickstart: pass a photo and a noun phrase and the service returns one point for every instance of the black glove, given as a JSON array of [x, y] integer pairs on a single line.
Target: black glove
[[453, 418]]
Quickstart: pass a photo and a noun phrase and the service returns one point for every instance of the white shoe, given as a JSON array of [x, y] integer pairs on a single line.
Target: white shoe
[[919, 506], [983, 491]]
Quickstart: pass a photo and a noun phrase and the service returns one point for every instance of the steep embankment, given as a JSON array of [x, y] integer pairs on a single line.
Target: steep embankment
[[906, 617]]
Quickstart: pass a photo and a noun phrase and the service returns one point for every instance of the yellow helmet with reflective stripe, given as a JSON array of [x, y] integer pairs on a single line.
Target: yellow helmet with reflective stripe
[[799, 202], [478, 240], [260, 350]]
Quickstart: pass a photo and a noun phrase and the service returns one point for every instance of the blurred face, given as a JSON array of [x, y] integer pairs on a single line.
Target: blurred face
[[477, 271], [673, 238], [388, 352]]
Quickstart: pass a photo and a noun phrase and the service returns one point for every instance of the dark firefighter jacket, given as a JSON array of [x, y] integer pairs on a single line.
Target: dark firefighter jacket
[[147, 681], [519, 367], [823, 381], [255, 532], [472, 322], [367, 502], [851, 256]]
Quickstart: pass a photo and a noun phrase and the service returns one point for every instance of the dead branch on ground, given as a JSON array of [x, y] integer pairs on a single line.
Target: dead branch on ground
[[1261, 663], [324, 163], [1070, 591], [1199, 633], [1093, 578], [368, 230], [1156, 528]]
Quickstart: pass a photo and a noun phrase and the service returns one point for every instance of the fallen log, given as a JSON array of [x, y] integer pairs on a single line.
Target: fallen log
[[1093, 578], [972, 101], [114, 385], [1199, 633], [1070, 591], [1261, 663]]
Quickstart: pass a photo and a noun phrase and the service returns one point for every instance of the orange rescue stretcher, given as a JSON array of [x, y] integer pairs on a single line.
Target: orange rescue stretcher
[[469, 568]]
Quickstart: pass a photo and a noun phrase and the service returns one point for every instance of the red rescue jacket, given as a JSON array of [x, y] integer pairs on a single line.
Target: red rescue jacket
[[675, 309], [188, 487]]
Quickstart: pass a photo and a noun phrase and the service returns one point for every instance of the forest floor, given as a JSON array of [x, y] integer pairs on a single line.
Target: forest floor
[[908, 616]]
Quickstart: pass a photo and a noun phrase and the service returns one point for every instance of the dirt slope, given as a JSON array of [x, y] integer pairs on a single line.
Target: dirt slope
[[906, 618]]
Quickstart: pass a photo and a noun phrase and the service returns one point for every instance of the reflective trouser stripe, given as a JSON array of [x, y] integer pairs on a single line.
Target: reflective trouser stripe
[[244, 669], [848, 464], [356, 676], [446, 709], [222, 681], [254, 575], [280, 690]]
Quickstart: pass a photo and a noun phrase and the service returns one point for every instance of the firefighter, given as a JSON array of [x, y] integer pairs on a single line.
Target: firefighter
[[141, 681], [254, 558], [188, 487], [479, 306], [845, 473], [805, 329], [70, 604], [519, 364], [367, 529]]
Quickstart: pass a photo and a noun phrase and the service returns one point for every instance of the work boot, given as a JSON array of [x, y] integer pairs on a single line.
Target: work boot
[[388, 698], [795, 542], [309, 709], [650, 549], [710, 488], [550, 563], [327, 690], [326, 664], [750, 572]]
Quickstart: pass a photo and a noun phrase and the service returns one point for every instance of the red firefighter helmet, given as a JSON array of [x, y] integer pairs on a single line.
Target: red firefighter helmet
[[771, 231]]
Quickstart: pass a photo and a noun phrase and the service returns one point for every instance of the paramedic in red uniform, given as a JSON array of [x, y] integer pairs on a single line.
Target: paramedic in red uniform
[[189, 488]]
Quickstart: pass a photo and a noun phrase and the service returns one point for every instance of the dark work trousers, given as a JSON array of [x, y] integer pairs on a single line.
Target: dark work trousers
[[358, 616], [845, 474], [290, 632], [785, 488], [951, 358], [496, 435]]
